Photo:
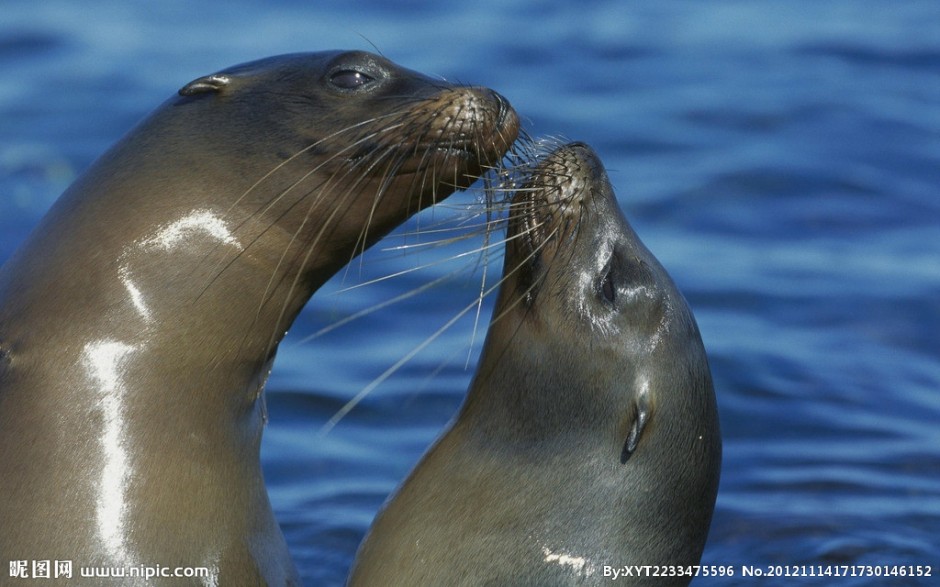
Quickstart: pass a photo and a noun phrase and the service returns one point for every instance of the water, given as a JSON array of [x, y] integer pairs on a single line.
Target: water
[[782, 159]]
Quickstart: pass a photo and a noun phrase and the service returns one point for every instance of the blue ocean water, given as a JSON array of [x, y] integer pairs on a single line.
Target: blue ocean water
[[781, 158]]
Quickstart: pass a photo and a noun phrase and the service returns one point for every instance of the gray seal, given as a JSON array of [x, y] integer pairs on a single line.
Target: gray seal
[[589, 437], [139, 320]]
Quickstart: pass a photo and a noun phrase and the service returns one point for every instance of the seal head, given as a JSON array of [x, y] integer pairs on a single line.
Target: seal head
[[589, 435]]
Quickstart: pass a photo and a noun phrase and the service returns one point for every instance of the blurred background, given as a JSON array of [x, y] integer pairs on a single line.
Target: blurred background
[[781, 158]]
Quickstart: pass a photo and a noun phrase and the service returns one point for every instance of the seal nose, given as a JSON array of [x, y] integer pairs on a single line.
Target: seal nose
[[504, 111]]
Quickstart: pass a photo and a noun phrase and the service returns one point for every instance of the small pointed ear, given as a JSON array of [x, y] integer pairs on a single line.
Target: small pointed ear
[[209, 84], [641, 416]]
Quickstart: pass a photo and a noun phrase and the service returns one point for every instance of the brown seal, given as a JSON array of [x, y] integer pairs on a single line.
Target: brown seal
[[589, 436], [139, 321]]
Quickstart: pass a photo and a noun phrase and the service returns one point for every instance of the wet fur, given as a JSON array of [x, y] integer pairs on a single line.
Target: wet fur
[[584, 440], [139, 321]]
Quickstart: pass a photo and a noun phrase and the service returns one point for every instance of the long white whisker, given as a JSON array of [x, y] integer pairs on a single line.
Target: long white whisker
[[357, 399]]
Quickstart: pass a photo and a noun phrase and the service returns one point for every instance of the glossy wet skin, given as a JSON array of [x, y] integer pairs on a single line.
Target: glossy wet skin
[[590, 434], [139, 320]]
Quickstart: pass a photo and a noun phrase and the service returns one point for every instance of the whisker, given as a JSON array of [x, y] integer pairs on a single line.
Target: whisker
[[362, 394], [373, 157], [374, 308], [348, 407], [309, 250], [262, 210]]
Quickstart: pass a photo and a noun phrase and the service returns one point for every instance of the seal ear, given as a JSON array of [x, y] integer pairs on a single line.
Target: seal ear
[[641, 415], [209, 84], [5, 358]]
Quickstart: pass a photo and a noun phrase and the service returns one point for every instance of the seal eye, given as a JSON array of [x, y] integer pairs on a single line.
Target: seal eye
[[350, 79], [607, 288]]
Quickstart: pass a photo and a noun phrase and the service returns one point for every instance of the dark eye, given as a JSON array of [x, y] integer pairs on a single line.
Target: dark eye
[[607, 288], [350, 79]]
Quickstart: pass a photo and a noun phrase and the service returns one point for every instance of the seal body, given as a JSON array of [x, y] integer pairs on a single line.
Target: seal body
[[139, 321], [589, 436]]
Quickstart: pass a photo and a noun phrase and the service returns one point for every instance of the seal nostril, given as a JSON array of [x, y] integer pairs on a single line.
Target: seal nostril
[[503, 108]]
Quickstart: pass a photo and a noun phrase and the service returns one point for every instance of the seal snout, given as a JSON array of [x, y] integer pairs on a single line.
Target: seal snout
[[488, 122], [506, 116], [548, 204], [474, 113], [460, 132]]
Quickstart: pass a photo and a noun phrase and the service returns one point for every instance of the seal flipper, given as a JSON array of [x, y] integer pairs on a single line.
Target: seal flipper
[[208, 84], [641, 416]]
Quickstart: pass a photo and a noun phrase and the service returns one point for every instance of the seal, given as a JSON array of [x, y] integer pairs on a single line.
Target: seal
[[589, 436], [139, 320]]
